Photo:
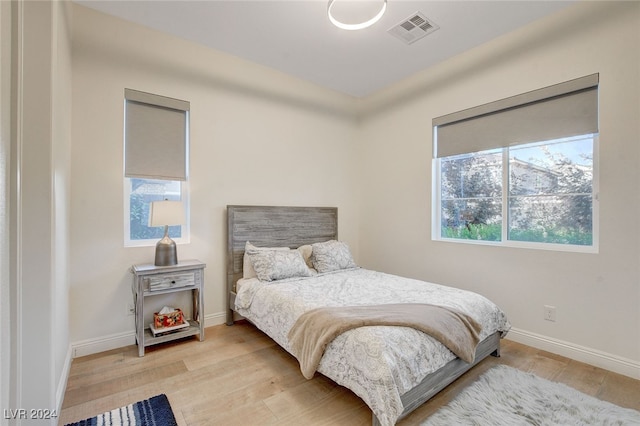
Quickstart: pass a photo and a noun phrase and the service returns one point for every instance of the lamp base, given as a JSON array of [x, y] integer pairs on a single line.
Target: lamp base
[[166, 253]]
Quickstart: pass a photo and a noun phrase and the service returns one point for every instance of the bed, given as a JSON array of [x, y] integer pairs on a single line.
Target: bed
[[393, 369]]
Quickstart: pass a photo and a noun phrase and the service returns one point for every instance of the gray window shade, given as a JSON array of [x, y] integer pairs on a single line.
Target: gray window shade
[[558, 111], [155, 136]]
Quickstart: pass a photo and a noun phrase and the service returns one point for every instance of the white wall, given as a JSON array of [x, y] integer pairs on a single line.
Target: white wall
[[38, 205], [61, 189], [597, 295], [257, 137], [6, 328]]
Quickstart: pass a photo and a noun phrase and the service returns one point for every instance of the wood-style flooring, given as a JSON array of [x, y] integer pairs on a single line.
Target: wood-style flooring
[[239, 376]]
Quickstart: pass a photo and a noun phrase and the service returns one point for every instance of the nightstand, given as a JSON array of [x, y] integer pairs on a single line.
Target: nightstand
[[150, 280]]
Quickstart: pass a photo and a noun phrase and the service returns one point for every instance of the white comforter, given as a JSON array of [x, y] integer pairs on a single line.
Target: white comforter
[[378, 364]]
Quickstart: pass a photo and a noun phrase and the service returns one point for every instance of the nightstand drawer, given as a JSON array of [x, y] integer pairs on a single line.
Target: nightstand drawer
[[167, 281]]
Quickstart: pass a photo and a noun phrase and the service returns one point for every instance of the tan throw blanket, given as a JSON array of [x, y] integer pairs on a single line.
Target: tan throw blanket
[[315, 329]]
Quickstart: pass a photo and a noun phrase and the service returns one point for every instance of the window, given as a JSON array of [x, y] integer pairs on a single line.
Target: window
[[471, 196], [548, 193], [520, 191], [550, 196], [139, 193], [155, 163]]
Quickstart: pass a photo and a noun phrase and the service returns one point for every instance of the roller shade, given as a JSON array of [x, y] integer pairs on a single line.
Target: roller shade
[[156, 129], [563, 110]]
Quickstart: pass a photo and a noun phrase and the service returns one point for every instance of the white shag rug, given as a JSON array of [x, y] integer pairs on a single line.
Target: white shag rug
[[508, 396]]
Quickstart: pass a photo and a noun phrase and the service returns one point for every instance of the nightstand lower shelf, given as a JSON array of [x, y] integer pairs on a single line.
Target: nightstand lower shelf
[[193, 329]]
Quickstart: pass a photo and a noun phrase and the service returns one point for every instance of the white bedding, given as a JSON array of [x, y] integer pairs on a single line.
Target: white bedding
[[381, 363]]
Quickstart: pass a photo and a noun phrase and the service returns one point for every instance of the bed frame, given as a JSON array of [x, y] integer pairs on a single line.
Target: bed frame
[[276, 226]]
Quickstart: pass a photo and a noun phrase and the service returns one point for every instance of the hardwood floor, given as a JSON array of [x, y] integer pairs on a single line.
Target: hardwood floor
[[239, 376]]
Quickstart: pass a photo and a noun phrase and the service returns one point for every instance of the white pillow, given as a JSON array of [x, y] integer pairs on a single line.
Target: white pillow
[[271, 265], [247, 267], [332, 256]]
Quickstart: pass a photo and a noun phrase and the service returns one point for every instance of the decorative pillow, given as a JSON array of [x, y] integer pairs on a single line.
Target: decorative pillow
[[247, 268], [331, 256], [271, 265]]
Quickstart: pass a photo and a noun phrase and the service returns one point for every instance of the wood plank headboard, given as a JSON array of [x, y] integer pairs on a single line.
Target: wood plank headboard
[[273, 226]]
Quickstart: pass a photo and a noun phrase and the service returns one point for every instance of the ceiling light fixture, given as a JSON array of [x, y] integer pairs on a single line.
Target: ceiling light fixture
[[359, 26]]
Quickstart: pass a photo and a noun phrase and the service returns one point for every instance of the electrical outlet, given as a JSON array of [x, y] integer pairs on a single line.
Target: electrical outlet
[[549, 313], [131, 310]]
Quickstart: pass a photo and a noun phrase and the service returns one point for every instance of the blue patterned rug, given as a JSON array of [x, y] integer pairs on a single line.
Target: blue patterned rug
[[155, 411]]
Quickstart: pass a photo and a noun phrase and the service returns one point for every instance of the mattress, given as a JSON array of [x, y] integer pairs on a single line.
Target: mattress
[[378, 363]]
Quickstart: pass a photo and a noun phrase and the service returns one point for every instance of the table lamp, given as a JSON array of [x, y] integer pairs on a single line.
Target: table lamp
[[166, 213]]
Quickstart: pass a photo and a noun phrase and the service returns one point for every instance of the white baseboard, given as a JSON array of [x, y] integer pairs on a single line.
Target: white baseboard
[[215, 319], [64, 377], [589, 356], [119, 340], [104, 343]]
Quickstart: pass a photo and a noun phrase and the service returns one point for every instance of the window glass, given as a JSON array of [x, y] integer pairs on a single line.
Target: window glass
[[140, 194], [545, 195], [471, 196], [551, 192]]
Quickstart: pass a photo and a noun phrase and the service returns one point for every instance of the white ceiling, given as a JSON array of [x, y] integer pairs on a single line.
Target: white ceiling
[[296, 37]]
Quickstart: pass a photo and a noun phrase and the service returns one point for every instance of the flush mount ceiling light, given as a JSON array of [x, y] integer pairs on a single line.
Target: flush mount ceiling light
[[359, 26]]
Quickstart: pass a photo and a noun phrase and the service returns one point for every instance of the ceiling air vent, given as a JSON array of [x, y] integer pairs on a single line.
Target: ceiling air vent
[[413, 28]]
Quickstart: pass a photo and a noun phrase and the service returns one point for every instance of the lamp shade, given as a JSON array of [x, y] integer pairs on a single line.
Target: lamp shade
[[163, 213]]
